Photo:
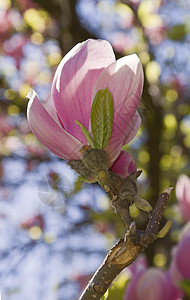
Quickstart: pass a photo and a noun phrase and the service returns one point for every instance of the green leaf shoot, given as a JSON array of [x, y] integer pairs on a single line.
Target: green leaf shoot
[[102, 118], [86, 134]]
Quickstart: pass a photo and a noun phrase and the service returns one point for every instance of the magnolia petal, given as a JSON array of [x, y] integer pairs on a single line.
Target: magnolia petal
[[184, 208], [124, 78], [53, 136], [49, 106], [185, 230], [182, 257], [74, 81], [183, 184], [153, 285], [132, 128], [131, 292], [124, 164], [175, 292], [176, 276], [183, 196]]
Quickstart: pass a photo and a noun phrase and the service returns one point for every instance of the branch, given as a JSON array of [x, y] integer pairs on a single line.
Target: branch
[[122, 254], [126, 250], [123, 192], [144, 238]]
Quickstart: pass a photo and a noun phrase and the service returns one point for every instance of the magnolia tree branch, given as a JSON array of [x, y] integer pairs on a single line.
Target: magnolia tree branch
[[120, 256], [123, 192], [126, 250]]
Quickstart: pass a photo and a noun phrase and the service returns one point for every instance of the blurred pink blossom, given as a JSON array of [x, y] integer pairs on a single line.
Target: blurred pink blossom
[[87, 68], [5, 125], [122, 42], [156, 35], [5, 25], [180, 264], [151, 284], [13, 47], [183, 196], [179, 83]]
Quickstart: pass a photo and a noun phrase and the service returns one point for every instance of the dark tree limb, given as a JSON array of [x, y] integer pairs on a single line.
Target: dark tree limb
[[125, 251], [123, 192], [119, 257], [145, 238]]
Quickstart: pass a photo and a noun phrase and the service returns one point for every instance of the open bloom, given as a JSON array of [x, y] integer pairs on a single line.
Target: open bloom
[[87, 68], [183, 196]]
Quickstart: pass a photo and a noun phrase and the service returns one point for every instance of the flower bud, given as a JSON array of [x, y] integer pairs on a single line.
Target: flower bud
[[95, 159]]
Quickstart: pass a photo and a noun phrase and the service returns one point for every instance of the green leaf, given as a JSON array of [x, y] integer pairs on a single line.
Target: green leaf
[[86, 134], [118, 288], [104, 297], [102, 118], [185, 286]]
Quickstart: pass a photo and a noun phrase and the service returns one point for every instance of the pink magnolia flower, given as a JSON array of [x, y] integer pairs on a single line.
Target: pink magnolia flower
[[180, 264], [151, 284], [183, 196], [87, 68]]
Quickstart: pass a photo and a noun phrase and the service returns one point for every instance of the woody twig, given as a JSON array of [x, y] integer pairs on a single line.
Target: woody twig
[[123, 192]]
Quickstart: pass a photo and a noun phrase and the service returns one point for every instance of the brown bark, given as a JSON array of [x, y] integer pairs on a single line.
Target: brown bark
[[125, 251]]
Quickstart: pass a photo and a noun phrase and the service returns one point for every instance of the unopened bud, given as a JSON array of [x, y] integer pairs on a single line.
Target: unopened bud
[[128, 187], [95, 159], [142, 204]]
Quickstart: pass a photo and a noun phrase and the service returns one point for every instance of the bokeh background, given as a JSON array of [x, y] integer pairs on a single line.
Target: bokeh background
[[55, 232]]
